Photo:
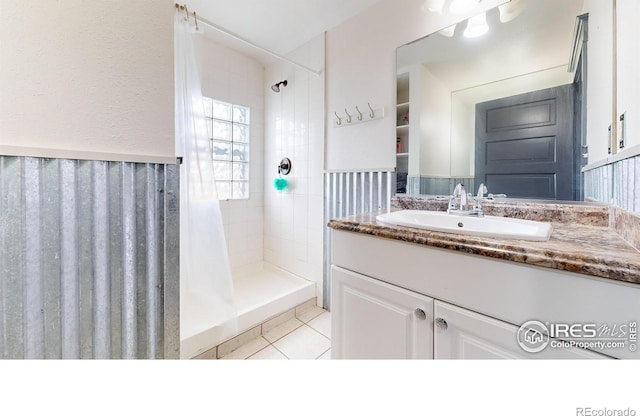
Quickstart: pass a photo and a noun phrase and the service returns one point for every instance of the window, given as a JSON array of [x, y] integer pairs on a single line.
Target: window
[[228, 126]]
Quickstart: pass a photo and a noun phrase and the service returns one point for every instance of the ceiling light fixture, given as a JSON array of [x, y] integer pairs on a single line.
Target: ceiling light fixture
[[462, 6], [476, 26], [511, 10]]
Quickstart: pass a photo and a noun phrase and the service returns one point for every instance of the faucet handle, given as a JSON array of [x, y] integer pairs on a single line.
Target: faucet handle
[[458, 191], [482, 189], [452, 202]]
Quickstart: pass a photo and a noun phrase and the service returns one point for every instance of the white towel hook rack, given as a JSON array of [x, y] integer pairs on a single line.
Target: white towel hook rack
[[374, 113]]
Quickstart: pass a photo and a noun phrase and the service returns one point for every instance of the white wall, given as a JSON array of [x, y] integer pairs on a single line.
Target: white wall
[[230, 76], [463, 133], [599, 77], [361, 68], [628, 63], [435, 127], [87, 76], [294, 128], [416, 101]]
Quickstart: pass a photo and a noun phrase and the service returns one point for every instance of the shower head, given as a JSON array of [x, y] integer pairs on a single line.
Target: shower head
[[276, 87]]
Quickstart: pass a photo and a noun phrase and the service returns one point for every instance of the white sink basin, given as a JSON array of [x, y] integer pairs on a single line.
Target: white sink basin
[[487, 226]]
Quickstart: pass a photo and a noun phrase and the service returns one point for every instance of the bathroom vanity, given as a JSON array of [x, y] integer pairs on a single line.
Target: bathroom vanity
[[401, 292]]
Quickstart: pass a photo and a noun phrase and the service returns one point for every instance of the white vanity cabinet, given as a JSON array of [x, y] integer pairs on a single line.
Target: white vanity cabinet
[[473, 306], [378, 320], [464, 334]]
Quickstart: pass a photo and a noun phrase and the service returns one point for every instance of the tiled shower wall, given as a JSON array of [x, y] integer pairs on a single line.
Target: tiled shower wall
[[294, 128], [617, 183], [230, 76]]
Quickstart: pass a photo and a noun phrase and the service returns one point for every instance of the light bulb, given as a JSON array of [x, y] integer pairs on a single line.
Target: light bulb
[[462, 6], [476, 26], [511, 10]]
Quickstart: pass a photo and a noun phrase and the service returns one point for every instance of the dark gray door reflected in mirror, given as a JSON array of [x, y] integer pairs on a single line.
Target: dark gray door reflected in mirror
[[524, 144]]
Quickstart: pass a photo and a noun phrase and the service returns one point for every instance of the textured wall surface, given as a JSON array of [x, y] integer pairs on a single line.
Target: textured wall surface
[[87, 76], [351, 193], [426, 185], [617, 183], [88, 259]]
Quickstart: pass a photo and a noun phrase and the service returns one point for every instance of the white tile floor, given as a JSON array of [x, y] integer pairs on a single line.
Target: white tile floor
[[306, 337]]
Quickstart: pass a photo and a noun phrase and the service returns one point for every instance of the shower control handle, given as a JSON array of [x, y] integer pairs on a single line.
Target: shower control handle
[[284, 168]]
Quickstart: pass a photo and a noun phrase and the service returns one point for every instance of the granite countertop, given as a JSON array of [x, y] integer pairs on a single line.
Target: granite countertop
[[595, 250]]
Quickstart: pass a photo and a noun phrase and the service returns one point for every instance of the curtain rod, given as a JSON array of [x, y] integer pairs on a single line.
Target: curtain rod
[[243, 40]]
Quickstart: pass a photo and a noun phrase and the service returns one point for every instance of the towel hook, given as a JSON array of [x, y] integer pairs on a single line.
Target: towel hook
[[339, 122], [348, 116], [195, 19], [371, 114], [359, 113]]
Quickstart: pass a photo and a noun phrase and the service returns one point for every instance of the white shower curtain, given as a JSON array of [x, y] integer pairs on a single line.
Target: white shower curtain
[[206, 286]]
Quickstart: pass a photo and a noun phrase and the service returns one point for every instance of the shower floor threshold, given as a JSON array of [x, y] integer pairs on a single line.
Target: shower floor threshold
[[264, 290]]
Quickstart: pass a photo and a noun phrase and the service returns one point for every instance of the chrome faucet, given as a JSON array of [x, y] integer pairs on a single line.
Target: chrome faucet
[[477, 207], [458, 191]]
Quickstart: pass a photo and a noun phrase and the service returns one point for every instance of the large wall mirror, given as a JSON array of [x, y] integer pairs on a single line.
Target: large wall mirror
[[499, 99]]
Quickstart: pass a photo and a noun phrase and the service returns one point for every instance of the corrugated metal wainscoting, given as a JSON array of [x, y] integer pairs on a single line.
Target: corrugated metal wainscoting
[[89, 259], [351, 193]]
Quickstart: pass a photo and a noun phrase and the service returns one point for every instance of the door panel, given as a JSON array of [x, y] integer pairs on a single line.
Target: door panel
[[470, 335], [372, 319], [521, 116], [540, 186], [525, 144], [527, 150]]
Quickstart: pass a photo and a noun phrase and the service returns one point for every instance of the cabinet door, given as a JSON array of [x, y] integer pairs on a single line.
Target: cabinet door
[[463, 334], [372, 319]]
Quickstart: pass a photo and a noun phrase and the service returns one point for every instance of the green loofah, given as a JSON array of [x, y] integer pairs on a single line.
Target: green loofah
[[280, 183]]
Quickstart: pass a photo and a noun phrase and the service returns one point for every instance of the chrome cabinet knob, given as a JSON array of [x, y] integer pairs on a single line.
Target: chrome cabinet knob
[[441, 323], [420, 314]]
